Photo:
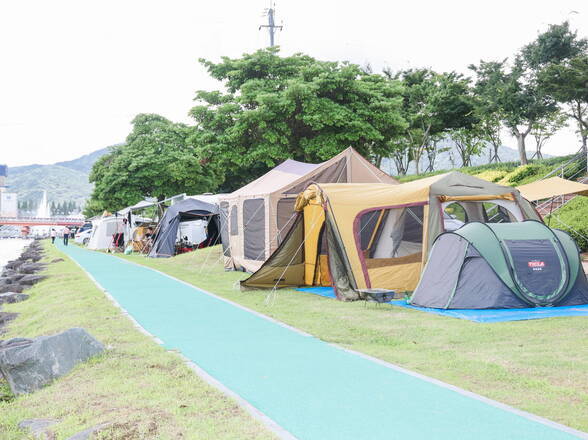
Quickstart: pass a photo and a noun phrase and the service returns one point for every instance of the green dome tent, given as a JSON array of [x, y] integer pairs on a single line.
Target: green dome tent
[[494, 266]]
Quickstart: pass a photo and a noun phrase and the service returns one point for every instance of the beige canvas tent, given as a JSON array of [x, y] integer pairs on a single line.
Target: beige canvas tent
[[374, 236], [256, 218]]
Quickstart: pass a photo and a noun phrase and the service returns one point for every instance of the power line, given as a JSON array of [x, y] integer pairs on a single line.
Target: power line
[[271, 24]]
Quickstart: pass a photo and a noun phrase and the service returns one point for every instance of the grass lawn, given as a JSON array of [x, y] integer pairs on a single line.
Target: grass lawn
[[145, 391], [540, 366]]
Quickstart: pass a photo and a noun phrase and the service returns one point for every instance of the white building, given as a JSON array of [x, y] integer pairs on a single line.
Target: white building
[[8, 201], [8, 204]]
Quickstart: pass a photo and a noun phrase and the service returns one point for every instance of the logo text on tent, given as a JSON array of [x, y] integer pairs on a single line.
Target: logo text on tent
[[537, 265]]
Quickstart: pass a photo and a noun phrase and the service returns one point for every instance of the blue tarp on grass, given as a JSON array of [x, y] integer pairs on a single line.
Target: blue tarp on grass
[[487, 315]]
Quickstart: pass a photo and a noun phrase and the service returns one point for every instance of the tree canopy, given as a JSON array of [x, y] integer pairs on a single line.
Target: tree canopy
[[155, 161], [275, 108]]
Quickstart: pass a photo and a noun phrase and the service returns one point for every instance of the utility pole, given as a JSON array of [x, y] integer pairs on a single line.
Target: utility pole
[[271, 23]]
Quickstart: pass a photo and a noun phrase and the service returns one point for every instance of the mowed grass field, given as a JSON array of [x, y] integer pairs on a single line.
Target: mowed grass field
[[540, 366], [139, 387]]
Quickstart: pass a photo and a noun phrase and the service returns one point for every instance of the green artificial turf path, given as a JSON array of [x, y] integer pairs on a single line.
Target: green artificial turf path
[[312, 389]]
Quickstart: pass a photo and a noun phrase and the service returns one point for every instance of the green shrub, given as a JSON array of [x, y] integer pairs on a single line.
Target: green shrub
[[492, 175], [523, 172], [572, 219]]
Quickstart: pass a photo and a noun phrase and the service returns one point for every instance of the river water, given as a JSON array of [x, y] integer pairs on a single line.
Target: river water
[[11, 248]]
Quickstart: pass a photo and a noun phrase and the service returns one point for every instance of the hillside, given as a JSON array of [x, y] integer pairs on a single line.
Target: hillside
[[63, 181]]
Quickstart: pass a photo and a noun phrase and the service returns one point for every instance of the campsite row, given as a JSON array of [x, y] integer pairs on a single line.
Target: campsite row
[[451, 240]]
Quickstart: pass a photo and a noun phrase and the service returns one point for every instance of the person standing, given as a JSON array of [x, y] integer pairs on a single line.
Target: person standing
[[66, 233], [53, 235]]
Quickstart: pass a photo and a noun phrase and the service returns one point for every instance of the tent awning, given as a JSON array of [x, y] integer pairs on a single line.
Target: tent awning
[[554, 186]]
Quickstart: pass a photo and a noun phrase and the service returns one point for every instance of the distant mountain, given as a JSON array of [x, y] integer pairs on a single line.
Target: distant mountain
[[63, 181], [84, 163], [449, 160]]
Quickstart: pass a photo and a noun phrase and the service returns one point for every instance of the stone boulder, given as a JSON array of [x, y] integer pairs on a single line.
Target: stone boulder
[[5, 317], [29, 364], [14, 264], [5, 288], [86, 434], [38, 427], [15, 277], [31, 268], [57, 260], [12, 297], [29, 280]]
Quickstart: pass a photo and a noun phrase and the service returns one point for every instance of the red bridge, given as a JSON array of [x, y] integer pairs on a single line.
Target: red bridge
[[35, 221]]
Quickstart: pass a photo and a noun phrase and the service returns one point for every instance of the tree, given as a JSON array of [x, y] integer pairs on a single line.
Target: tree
[[554, 46], [567, 82], [156, 161], [469, 143], [544, 129], [433, 104], [561, 59], [515, 96], [277, 108], [489, 129]]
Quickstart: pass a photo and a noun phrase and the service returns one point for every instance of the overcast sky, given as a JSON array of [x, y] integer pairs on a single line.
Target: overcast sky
[[74, 73]]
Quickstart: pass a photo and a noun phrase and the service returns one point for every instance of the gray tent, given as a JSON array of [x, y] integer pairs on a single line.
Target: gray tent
[[186, 210], [502, 266]]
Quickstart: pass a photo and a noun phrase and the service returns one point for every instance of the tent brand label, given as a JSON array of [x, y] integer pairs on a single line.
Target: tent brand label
[[536, 265]]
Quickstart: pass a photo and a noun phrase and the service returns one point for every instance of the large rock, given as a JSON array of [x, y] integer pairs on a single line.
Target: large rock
[[38, 427], [12, 297], [5, 318], [29, 364], [13, 264], [5, 288], [30, 268], [86, 434], [29, 280]]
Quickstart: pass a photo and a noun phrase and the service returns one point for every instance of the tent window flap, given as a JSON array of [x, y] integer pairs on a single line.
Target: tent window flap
[[234, 221], [391, 233], [224, 226], [254, 229]]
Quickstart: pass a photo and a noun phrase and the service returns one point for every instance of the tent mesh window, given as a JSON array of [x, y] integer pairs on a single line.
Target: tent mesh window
[[234, 221], [392, 234], [494, 213], [285, 217], [254, 229], [456, 211], [224, 227]]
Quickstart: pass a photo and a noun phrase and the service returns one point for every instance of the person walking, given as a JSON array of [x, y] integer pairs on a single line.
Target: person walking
[[53, 235], [66, 233]]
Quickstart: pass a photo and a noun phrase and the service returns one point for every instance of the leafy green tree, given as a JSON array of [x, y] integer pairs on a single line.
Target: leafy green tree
[[567, 82], [433, 105], [544, 129], [469, 143], [156, 161], [515, 96], [275, 108], [560, 58], [556, 45]]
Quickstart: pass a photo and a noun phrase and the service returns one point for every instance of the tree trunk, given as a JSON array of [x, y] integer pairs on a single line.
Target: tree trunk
[[521, 146]]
